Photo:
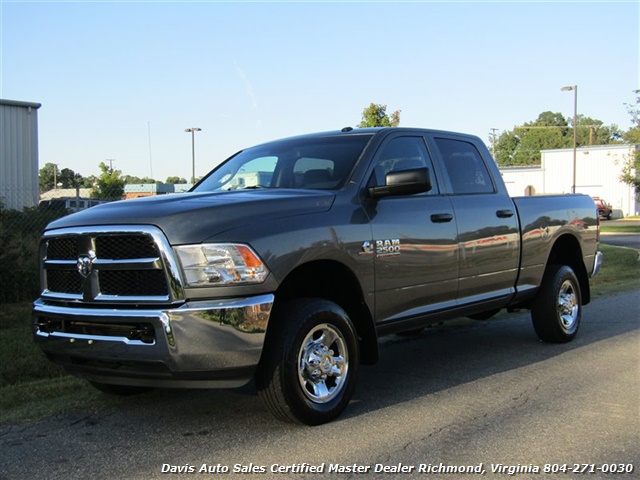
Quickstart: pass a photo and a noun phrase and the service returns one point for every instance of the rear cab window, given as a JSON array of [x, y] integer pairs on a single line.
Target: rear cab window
[[464, 167]]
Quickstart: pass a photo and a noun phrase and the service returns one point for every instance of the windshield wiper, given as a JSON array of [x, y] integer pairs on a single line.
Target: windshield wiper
[[253, 187]]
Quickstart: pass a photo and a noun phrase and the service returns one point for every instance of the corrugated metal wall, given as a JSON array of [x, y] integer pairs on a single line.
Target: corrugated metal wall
[[18, 154]]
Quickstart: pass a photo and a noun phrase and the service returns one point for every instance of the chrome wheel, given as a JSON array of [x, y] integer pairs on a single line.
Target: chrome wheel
[[309, 362], [568, 307], [557, 309], [323, 363]]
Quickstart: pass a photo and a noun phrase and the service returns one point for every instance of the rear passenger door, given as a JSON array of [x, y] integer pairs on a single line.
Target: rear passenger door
[[488, 239]]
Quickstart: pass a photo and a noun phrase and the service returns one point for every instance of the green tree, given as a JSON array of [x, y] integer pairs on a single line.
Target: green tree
[[175, 180], [375, 115], [109, 185], [70, 179], [48, 177], [631, 169], [130, 179], [522, 145]]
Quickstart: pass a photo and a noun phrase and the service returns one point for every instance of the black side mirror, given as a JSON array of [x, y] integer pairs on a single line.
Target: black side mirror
[[403, 182]]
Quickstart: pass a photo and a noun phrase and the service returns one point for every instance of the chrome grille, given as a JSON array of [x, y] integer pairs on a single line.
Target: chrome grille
[[113, 265]]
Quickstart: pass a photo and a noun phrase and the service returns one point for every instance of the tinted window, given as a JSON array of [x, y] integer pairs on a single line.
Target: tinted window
[[465, 167], [401, 153]]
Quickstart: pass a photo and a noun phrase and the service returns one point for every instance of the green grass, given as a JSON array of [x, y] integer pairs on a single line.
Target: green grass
[[31, 387], [620, 271], [620, 228]]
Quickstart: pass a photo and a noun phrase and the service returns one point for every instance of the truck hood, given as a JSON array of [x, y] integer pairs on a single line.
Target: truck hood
[[195, 217]]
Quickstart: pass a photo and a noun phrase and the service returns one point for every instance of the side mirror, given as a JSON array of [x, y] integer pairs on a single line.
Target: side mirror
[[403, 182]]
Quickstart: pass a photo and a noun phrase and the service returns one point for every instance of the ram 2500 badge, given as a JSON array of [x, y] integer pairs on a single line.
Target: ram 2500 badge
[[288, 261]]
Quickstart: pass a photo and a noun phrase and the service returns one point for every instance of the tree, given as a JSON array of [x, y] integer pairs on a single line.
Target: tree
[[175, 180], [48, 177], [130, 179], [110, 185], [69, 178], [521, 146], [375, 115], [631, 168]]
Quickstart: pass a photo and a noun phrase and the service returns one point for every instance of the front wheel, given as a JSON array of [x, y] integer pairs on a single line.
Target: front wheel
[[557, 310], [307, 373]]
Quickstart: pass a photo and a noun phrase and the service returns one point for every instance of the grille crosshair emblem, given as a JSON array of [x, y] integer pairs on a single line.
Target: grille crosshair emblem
[[85, 263]]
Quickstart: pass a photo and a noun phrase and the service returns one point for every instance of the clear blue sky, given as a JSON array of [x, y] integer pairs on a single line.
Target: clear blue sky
[[122, 80]]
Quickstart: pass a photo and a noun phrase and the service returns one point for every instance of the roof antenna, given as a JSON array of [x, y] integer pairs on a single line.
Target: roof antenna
[[347, 129]]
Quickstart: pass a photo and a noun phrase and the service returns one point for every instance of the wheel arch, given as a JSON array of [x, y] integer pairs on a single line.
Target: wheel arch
[[567, 251], [333, 281]]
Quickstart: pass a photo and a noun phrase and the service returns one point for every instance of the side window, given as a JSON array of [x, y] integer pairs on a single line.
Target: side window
[[465, 167], [402, 153]]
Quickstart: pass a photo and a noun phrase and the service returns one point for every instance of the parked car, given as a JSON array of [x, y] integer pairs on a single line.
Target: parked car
[[604, 208]]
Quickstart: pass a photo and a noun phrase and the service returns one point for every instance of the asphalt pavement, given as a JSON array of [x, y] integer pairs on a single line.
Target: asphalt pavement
[[484, 397]]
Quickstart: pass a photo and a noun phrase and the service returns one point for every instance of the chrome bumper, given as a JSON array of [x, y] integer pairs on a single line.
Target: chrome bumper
[[597, 264], [199, 344]]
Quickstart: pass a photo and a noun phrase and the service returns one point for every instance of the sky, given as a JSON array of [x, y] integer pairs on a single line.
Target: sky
[[120, 81]]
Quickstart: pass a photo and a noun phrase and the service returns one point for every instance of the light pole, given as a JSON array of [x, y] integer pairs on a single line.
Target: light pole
[[193, 131], [575, 129]]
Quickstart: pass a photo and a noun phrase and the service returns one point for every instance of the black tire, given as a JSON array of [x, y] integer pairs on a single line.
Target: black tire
[[557, 310], [309, 364], [119, 390]]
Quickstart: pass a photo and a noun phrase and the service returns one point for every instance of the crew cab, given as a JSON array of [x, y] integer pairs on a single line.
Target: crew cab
[[289, 260]]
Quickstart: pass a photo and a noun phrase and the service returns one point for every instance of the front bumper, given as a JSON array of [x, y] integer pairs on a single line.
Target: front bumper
[[199, 344]]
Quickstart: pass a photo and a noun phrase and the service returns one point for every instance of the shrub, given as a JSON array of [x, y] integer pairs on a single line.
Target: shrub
[[19, 239]]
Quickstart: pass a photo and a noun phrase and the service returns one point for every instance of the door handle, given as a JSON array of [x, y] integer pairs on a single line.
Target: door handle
[[441, 217], [505, 213]]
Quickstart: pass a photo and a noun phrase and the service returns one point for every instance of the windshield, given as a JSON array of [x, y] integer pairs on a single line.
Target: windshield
[[316, 163]]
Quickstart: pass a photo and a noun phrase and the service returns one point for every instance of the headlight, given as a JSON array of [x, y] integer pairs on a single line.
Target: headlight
[[220, 264]]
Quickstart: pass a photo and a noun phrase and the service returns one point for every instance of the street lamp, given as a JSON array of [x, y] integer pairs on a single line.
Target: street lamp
[[193, 131], [575, 129]]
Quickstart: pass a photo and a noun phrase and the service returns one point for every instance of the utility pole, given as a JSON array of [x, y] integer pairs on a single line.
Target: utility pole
[[493, 143], [574, 88]]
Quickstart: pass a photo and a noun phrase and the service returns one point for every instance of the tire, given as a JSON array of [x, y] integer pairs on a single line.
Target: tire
[[309, 363], [119, 390], [557, 309]]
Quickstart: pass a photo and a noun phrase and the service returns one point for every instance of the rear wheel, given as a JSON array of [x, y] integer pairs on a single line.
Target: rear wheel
[[307, 373], [557, 310]]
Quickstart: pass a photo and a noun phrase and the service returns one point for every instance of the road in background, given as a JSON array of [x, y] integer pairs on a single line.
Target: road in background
[[461, 395]]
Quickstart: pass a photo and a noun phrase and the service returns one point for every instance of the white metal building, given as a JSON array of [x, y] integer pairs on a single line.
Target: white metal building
[[18, 154], [598, 170]]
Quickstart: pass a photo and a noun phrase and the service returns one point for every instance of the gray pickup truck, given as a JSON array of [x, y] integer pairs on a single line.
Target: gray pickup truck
[[287, 262]]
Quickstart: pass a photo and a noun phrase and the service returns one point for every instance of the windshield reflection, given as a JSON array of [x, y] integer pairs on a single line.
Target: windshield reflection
[[323, 163]]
